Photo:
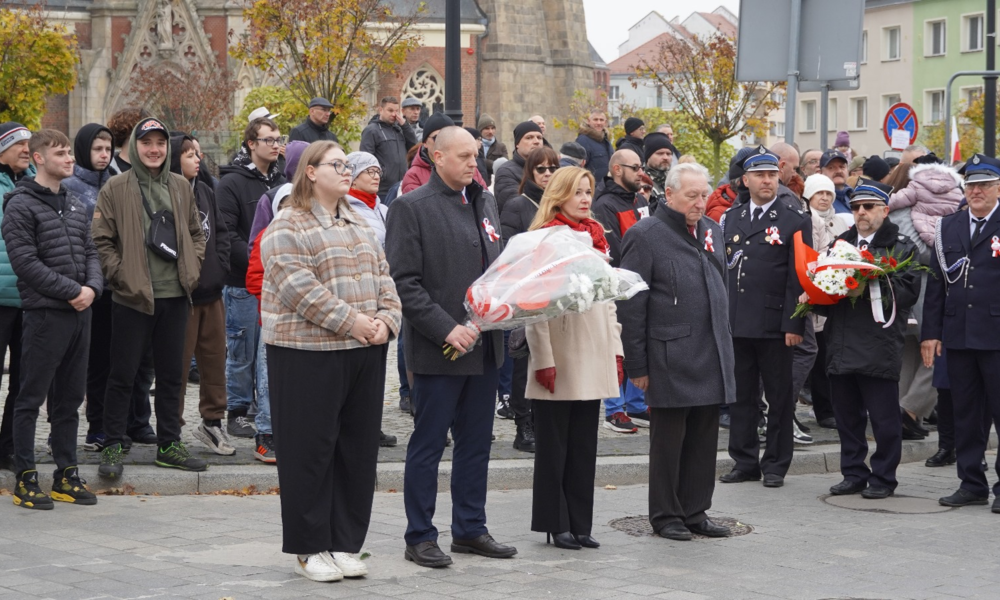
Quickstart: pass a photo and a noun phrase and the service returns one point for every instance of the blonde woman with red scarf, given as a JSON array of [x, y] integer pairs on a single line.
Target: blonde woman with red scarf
[[363, 195], [575, 361]]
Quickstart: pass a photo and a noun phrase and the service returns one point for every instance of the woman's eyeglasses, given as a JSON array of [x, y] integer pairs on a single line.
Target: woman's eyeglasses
[[541, 170], [373, 172], [339, 166]]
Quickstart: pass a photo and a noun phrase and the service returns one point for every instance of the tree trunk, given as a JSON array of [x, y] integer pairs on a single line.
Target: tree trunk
[[716, 153]]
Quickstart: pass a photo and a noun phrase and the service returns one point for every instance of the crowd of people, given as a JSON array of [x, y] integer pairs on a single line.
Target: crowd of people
[[285, 278]]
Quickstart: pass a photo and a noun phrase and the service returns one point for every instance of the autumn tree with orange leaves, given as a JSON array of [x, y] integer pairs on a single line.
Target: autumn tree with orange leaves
[[699, 76], [330, 49], [194, 99]]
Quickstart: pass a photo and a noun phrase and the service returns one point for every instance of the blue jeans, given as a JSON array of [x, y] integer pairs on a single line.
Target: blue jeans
[[632, 400], [263, 418], [242, 334], [404, 384]]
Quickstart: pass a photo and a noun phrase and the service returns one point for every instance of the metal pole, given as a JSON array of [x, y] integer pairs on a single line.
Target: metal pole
[[990, 83], [947, 100], [453, 61], [793, 71], [824, 114]]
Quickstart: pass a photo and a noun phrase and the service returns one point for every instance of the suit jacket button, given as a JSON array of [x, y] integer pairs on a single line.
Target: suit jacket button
[[476, 243], [971, 286], [970, 306], [748, 242]]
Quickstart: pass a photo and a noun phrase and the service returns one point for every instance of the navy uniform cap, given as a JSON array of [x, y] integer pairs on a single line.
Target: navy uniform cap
[[980, 168], [866, 189], [760, 160]]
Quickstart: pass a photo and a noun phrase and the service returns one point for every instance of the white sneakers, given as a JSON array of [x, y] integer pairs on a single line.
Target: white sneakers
[[324, 567]]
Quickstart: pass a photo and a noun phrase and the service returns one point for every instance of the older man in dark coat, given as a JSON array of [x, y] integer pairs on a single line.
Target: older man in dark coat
[[682, 320]]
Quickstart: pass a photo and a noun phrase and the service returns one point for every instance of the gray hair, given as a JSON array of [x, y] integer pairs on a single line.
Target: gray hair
[[679, 170], [917, 148]]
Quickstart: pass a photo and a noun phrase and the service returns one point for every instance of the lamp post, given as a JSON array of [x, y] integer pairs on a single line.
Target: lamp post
[[453, 61]]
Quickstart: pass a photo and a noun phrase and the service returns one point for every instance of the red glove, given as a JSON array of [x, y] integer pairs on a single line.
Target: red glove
[[547, 378], [620, 360]]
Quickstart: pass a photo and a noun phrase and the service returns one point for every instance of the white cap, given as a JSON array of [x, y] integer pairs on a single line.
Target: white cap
[[818, 182], [260, 113]]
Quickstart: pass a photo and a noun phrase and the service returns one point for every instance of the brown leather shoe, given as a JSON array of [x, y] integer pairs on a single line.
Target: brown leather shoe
[[483, 545]]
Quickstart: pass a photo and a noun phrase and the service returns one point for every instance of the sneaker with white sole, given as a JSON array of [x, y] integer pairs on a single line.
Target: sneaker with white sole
[[620, 423], [318, 567], [212, 435], [640, 419], [800, 436], [349, 565]]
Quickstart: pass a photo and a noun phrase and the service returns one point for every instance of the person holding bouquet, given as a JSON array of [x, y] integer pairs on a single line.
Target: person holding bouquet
[[863, 358], [575, 361]]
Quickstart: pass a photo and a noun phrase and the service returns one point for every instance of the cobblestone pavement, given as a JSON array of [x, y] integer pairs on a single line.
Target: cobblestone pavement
[[394, 422], [801, 547]]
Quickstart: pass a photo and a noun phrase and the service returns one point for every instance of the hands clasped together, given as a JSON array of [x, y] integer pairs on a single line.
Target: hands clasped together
[[369, 331]]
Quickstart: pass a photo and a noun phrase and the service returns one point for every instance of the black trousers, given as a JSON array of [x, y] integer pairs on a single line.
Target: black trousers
[[10, 339], [819, 381], [55, 344], [946, 420], [975, 391], [854, 397], [769, 360], [133, 334], [99, 369], [519, 404], [683, 443], [326, 409], [562, 497]]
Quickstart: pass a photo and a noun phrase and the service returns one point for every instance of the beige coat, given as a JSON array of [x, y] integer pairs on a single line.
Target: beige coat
[[582, 348]]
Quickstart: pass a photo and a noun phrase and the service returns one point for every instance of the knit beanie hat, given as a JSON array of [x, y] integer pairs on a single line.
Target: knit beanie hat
[[12, 133], [632, 123], [843, 139], [475, 133], [524, 129], [654, 142], [361, 162], [818, 183], [486, 121], [875, 168], [436, 122], [573, 150]]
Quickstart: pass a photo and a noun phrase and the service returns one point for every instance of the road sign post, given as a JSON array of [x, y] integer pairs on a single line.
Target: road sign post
[[900, 116]]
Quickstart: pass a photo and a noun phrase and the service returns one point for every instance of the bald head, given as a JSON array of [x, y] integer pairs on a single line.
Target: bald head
[[455, 154], [788, 160], [540, 121], [625, 167]]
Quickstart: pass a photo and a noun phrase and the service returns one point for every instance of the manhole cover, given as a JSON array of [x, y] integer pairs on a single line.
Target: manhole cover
[[639, 526], [893, 505]]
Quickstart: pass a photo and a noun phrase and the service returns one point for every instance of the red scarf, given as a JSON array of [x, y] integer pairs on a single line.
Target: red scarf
[[595, 229], [369, 199]]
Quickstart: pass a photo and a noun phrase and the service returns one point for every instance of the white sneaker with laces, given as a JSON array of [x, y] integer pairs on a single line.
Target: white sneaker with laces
[[318, 567], [350, 566]]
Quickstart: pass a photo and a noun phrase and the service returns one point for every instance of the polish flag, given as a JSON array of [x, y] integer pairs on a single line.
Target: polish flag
[[956, 151]]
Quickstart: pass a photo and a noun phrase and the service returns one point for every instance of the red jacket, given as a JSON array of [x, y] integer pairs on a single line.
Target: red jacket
[[719, 202], [255, 271], [419, 173]]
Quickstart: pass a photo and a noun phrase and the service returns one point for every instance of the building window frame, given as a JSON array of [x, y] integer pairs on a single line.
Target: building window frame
[[808, 111], [931, 47], [892, 51], [853, 124], [864, 47], [929, 95], [967, 39]]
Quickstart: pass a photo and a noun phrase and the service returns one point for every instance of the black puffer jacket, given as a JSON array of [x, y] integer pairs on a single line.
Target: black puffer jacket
[[630, 142], [237, 195], [856, 344], [520, 211], [49, 246]]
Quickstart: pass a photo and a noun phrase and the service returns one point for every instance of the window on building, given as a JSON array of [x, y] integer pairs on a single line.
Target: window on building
[[613, 93], [891, 40], [864, 47], [970, 95], [934, 38], [859, 113], [831, 119], [934, 103], [777, 129], [808, 116], [659, 96], [973, 33], [888, 100]]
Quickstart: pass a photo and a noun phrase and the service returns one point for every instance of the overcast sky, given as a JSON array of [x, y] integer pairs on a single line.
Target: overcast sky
[[608, 20]]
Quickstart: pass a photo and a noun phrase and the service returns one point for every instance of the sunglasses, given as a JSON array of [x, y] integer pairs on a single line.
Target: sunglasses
[[541, 170], [647, 188], [868, 206]]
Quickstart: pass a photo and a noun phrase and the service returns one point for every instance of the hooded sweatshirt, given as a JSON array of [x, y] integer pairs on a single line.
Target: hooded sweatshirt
[[934, 192], [86, 181], [267, 206]]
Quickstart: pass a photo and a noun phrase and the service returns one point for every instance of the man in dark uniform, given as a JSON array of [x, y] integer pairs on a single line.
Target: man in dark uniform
[[763, 293], [961, 313], [864, 358]]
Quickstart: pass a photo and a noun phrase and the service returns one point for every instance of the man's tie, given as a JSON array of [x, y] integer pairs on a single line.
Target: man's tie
[[979, 227], [692, 231], [757, 214]]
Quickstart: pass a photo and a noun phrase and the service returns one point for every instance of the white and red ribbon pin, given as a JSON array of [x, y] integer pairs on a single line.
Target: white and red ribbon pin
[[490, 231], [995, 246], [708, 241], [773, 237]]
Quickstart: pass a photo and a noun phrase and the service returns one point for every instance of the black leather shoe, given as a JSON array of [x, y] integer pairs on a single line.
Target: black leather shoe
[[942, 458], [828, 423], [911, 423], [911, 435], [386, 441], [737, 476], [564, 540], [709, 529], [676, 531], [876, 492], [145, 436], [996, 506], [963, 498], [587, 541], [773, 481], [427, 554], [483, 545], [847, 487], [524, 439]]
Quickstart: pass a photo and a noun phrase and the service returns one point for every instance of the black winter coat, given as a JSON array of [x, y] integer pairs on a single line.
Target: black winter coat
[[508, 179], [49, 246], [520, 211], [634, 144], [617, 209], [215, 267], [309, 132], [388, 143], [856, 344], [237, 194]]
